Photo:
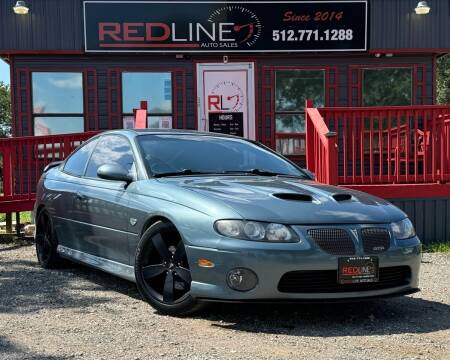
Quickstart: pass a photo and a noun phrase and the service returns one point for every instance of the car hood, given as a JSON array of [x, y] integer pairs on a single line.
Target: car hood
[[290, 201]]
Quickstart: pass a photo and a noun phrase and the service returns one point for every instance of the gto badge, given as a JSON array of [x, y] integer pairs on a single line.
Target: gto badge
[[355, 234], [133, 221]]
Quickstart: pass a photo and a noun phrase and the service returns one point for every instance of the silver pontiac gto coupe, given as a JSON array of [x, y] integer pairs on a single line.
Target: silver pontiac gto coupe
[[197, 217]]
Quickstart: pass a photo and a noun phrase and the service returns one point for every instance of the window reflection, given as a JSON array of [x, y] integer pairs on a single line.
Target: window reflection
[[57, 102], [57, 93], [292, 89], [57, 125], [155, 88], [159, 122], [387, 87], [76, 163], [114, 150]]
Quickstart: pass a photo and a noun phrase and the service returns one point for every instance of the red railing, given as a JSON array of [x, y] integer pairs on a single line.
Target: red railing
[[22, 162], [321, 155], [387, 145]]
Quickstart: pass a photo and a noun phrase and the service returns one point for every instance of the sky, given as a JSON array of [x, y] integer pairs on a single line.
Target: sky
[[4, 72]]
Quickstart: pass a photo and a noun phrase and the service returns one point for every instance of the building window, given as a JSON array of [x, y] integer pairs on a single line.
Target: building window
[[292, 89], [57, 102], [387, 87], [153, 87]]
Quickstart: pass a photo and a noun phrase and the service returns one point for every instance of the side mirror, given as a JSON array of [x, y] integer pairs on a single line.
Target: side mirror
[[310, 174], [114, 172]]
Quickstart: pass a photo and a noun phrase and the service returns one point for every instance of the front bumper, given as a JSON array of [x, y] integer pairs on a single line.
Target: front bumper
[[271, 261]]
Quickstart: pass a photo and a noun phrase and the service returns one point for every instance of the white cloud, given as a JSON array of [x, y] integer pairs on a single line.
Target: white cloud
[[73, 82]]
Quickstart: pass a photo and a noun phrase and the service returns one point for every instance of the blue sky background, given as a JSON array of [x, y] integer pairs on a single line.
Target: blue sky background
[[4, 72]]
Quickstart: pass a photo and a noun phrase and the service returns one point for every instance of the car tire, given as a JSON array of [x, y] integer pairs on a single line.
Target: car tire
[[162, 272], [46, 242]]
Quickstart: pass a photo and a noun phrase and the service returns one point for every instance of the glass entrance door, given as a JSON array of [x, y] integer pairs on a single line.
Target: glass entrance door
[[226, 98]]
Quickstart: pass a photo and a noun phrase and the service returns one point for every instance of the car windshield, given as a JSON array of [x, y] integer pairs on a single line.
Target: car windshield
[[184, 154]]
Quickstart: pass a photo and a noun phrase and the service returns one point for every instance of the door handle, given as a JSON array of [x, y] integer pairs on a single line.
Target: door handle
[[80, 197]]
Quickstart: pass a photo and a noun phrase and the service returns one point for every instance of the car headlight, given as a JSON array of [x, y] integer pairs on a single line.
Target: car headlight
[[256, 231], [403, 229]]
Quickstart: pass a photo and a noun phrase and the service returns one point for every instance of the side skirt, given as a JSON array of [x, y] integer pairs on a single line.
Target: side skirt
[[112, 267]]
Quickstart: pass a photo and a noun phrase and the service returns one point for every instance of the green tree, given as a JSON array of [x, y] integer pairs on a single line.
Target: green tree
[[443, 80], [5, 110]]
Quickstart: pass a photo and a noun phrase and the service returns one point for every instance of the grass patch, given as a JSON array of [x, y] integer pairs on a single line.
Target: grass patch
[[440, 247], [25, 217]]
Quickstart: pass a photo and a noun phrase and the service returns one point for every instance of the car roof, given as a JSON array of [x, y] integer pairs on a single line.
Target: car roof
[[139, 132]]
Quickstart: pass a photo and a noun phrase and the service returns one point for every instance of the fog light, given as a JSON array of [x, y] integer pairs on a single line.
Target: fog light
[[241, 279], [21, 8]]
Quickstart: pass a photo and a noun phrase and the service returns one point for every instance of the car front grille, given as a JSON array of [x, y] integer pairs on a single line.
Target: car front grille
[[325, 281], [375, 240], [333, 241]]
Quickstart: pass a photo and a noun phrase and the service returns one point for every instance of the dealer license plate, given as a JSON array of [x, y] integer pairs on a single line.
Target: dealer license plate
[[357, 269]]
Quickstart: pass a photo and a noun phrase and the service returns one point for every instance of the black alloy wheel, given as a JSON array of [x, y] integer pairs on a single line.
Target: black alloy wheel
[[168, 274], [162, 271], [46, 242]]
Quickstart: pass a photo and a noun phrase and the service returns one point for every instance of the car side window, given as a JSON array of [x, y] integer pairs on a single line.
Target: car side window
[[76, 163], [111, 150]]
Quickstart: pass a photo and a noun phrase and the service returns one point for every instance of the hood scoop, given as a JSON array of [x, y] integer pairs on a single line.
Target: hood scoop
[[294, 197], [342, 197]]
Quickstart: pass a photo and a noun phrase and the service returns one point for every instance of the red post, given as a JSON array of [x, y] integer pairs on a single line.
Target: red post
[[321, 146], [144, 105], [140, 116], [332, 159], [309, 138]]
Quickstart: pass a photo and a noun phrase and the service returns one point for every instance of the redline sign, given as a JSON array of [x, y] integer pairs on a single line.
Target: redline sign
[[218, 26]]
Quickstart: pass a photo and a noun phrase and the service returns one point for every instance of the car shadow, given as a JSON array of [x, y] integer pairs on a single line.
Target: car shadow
[[103, 280], [377, 317], [26, 287], [10, 350]]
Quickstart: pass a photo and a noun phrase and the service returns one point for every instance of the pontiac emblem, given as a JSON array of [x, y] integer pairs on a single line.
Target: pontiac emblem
[[355, 234]]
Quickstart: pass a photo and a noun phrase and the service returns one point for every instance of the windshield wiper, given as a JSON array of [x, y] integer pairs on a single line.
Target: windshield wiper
[[260, 172], [180, 173]]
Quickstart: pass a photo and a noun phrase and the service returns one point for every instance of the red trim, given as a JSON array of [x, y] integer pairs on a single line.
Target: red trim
[[117, 90], [90, 93], [434, 80], [137, 46], [420, 83], [196, 99], [13, 85], [22, 90], [407, 51], [17, 205], [256, 96], [41, 52], [410, 51], [178, 92], [266, 96], [405, 191]]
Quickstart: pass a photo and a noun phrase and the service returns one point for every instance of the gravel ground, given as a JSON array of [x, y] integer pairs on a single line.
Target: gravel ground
[[79, 313]]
